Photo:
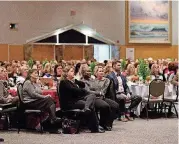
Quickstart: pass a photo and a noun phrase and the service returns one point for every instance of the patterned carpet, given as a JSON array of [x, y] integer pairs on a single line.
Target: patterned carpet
[[140, 131]]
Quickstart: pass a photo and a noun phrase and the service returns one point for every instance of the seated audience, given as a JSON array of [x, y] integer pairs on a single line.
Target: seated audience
[[73, 96], [78, 71], [58, 69], [155, 73], [175, 79], [108, 68], [47, 71], [122, 92], [33, 98], [5, 97], [108, 108], [130, 72], [40, 70], [22, 75], [172, 70]]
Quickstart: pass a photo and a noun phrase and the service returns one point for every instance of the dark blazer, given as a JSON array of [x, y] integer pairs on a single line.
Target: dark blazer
[[112, 76], [70, 93]]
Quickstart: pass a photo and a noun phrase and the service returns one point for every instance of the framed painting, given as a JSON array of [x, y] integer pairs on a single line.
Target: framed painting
[[148, 22]]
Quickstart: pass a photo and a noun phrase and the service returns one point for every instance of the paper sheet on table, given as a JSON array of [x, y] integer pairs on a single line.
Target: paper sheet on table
[[170, 88], [129, 83]]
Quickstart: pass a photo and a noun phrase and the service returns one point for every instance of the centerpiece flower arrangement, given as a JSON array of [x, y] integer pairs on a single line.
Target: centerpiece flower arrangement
[[134, 78]]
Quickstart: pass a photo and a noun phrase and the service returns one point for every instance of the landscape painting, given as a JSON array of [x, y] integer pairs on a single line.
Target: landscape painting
[[149, 22]]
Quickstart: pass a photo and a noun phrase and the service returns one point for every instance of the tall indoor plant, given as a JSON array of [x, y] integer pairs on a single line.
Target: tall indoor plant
[[143, 70]]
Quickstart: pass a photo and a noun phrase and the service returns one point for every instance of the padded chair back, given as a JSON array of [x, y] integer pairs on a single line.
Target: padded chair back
[[111, 91], [157, 88], [58, 93], [20, 92], [177, 93]]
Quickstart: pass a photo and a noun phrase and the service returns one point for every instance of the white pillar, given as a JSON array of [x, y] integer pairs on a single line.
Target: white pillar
[[86, 39]]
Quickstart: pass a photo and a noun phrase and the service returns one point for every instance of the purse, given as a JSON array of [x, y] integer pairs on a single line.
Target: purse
[[70, 126]]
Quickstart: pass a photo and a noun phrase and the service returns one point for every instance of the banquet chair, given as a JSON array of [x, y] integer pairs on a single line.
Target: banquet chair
[[72, 113], [172, 100], [6, 110], [110, 94], [156, 95], [22, 109]]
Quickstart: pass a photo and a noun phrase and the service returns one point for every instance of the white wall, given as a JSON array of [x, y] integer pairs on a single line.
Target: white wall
[[38, 18]]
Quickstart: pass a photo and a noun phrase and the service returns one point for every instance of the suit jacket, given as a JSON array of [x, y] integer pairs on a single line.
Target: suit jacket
[[70, 92], [112, 76]]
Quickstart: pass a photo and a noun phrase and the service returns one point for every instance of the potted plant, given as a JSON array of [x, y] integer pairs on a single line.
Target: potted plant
[[92, 66], [123, 67], [143, 70], [30, 63], [44, 63]]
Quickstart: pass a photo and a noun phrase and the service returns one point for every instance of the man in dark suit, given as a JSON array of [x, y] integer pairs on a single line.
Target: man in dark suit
[[122, 92]]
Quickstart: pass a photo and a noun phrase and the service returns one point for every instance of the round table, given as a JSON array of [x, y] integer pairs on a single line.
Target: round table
[[143, 91]]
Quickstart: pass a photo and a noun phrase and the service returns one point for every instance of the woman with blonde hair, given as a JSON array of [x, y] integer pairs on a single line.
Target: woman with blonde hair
[[131, 72], [5, 97], [47, 70], [155, 73]]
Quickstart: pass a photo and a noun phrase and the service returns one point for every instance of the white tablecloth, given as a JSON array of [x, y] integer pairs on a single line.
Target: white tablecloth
[[143, 91]]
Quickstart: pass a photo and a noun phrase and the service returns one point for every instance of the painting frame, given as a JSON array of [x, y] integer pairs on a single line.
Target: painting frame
[[129, 41]]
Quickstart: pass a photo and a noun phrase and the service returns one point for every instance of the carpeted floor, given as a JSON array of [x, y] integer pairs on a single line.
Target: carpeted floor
[[140, 131]]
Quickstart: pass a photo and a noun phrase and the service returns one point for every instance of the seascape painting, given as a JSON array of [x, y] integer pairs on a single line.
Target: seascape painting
[[149, 22]]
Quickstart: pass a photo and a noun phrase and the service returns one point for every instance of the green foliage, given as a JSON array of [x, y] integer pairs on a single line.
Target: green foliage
[[30, 63], [87, 57], [123, 65], [92, 66], [44, 62], [143, 70], [53, 62]]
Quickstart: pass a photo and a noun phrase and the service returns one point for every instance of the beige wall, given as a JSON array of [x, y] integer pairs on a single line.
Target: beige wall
[[38, 18]]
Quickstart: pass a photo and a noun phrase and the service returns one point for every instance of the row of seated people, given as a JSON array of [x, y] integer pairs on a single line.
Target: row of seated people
[[88, 94]]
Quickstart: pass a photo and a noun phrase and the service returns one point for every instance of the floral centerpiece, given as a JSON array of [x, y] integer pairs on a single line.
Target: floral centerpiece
[[143, 70], [134, 78]]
